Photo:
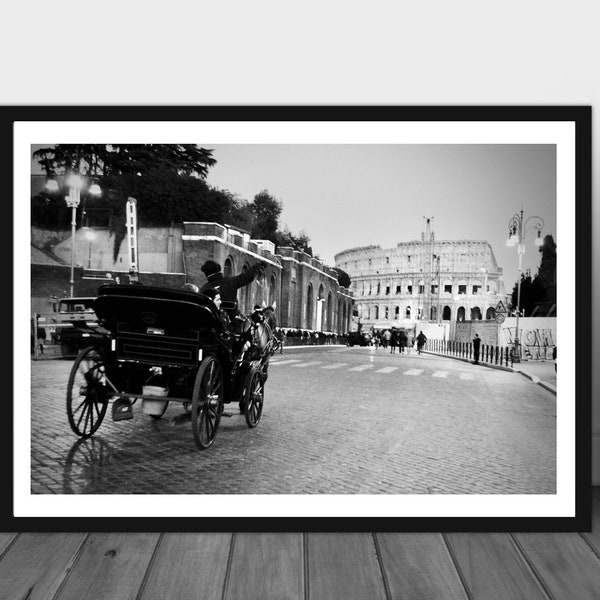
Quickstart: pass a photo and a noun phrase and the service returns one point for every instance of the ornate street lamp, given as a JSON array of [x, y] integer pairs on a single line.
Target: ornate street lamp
[[517, 230], [75, 183]]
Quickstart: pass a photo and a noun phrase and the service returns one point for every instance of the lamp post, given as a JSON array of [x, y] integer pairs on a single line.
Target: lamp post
[[485, 291], [75, 184], [517, 230], [437, 258]]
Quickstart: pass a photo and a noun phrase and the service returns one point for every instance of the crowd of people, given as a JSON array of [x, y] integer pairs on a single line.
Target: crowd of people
[[306, 337], [398, 340]]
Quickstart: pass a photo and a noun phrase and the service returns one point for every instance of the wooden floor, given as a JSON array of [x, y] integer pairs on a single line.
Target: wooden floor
[[223, 566]]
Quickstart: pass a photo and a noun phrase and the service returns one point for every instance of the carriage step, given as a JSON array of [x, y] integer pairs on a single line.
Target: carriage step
[[121, 409]]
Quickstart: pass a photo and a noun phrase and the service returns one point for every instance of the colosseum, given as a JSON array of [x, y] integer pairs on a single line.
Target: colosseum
[[424, 280]]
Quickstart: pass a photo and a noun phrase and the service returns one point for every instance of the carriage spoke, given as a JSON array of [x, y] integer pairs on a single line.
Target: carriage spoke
[[208, 423], [87, 417]]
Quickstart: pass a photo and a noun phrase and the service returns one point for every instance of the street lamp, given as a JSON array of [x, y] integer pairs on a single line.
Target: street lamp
[[437, 258], [75, 183], [484, 292], [517, 230]]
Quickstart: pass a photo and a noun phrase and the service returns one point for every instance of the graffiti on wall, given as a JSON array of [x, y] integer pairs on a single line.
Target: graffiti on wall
[[537, 338]]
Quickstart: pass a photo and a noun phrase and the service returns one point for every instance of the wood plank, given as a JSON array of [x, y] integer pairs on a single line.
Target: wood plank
[[419, 566], [188, 566], [565, 563], [344, 566], [492, 567], [266, 565], [36, 565], [593, 537], [5, 541], [111, 565]]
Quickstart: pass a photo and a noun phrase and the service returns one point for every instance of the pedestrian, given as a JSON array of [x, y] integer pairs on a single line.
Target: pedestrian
[[403, 340], [280, 335], [554, 357], [387, 336], [476, 345], [41, 334], [393, 341], [421, 341], [228, 286]]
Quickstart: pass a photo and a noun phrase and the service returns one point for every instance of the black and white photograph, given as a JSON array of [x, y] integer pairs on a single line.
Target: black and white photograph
[[286, 289], [352, 319]]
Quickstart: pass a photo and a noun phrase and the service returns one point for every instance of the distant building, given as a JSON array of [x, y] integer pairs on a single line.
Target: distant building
[[304, 290], [424, 280]]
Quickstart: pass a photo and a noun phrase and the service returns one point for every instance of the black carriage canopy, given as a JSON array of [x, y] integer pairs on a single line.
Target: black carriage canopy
[[156, 310]]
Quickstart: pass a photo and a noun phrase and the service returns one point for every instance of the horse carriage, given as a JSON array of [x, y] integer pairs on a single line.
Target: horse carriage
[[163, 345]]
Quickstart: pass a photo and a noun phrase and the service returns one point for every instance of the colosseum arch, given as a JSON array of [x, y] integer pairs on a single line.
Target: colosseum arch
[[476, 313], [490, 313], [330, 312], [447, 314], [460, 313]]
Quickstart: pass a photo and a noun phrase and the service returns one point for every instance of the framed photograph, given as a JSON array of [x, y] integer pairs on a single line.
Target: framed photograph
[[299, 318]]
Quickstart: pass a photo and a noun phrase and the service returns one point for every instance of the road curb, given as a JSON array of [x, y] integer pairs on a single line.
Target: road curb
[[543, 384]]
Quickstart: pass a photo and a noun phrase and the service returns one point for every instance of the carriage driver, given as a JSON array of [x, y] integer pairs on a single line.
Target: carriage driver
[[228, 286]]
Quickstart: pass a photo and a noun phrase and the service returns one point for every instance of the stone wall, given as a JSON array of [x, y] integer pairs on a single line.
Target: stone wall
[[304, 291]]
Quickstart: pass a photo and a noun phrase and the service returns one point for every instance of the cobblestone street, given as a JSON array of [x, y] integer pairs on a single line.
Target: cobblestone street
[[335, 421]]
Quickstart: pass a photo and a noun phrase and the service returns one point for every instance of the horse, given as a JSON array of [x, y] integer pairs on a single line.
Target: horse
[[263, 340]]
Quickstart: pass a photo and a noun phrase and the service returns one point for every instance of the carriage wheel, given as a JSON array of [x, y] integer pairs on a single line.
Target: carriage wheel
[[207, 402], [87, 392], [254, 395]]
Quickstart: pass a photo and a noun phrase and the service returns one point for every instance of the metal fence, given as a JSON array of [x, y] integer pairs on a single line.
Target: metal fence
[[493, 355]]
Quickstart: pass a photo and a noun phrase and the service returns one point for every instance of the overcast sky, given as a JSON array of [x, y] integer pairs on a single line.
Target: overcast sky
[[352, 195], [345, 195]]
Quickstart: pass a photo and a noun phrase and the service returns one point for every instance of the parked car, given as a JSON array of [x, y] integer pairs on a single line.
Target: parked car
[[77, 326], [358, 338]]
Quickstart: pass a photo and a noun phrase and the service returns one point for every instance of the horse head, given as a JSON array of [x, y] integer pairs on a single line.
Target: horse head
[[264, 331]]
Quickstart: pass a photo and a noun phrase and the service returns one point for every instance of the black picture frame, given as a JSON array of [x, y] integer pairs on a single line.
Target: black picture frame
[[578, 117]]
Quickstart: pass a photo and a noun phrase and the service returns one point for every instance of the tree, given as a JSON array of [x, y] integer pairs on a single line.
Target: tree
[[532, 293], [266, 211], [538, 294], [100, 160], [547, 272], [167, 180], [300, 241], [343, 278]]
